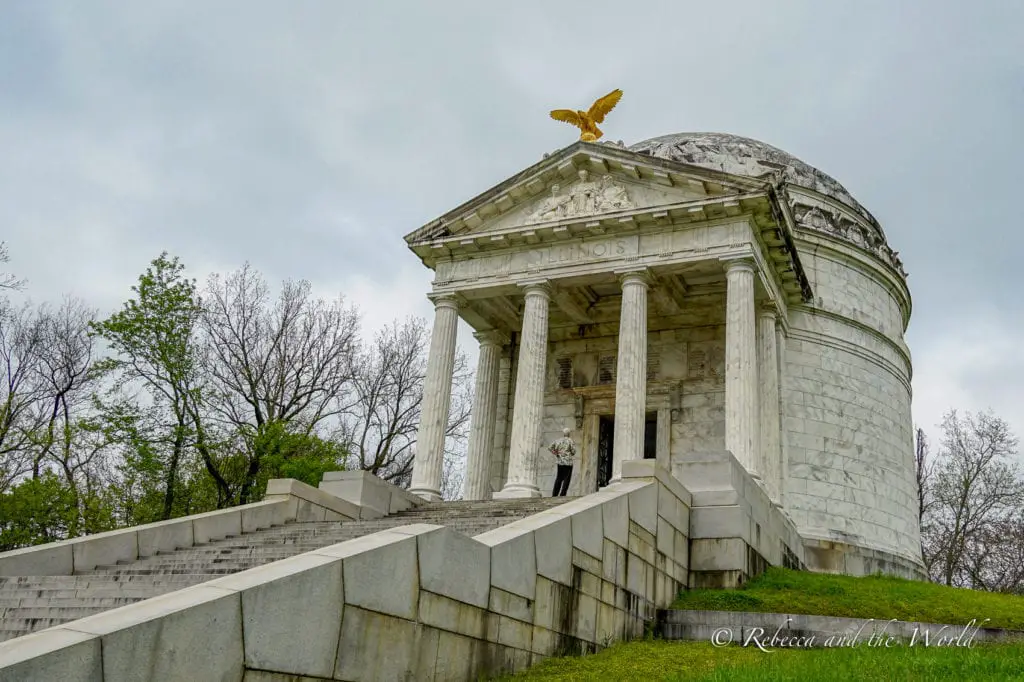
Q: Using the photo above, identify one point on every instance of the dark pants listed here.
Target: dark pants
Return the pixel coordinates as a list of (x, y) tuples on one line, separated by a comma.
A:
[(562, 480)]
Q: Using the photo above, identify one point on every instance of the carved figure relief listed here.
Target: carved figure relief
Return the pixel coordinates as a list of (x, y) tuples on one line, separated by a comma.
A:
[(864, 236), (584, 198)]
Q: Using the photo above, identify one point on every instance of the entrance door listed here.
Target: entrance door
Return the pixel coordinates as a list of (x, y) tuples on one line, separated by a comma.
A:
[(605, 437), (651, 435)]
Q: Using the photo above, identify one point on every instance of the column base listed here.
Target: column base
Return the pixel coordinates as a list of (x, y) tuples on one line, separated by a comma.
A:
[(517, 491), (427, 494)]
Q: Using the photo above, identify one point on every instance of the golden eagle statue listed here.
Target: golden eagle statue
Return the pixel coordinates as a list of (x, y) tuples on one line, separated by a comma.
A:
[(587, 121)]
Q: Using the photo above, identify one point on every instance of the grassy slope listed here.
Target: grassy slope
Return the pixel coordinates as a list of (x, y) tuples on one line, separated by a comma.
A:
[(784, 591), (657, 661)]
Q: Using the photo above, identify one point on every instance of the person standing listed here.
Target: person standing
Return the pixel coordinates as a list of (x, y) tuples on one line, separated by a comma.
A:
[(564, 450)]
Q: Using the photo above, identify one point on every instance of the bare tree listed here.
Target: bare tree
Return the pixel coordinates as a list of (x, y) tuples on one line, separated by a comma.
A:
[(976, 486), (65, 358), (66, 355), (924, 469), (387, 396), (286, 362), (995, 557), (22, 341), (453, 475), (7, 280)]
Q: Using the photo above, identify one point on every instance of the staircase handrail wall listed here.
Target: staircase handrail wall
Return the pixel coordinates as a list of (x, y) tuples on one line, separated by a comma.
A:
[(287, 500)]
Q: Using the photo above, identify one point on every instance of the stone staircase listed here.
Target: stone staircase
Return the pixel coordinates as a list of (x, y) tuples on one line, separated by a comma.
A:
[(30, 603)]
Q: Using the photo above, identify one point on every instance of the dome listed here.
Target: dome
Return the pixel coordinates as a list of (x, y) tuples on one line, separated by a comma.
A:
[(744, 156), (752, 158)]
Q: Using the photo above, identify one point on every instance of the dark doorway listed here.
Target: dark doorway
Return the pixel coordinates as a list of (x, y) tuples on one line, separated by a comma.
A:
[(651, 435), (605, 437)]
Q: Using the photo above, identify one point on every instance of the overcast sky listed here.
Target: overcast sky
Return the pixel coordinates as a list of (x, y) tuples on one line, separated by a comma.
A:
[(308, 137)]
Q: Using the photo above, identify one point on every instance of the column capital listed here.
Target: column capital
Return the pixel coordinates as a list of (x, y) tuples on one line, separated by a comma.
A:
[(635, 276), (491, 337), (445, 300), (538, 286), (767, 309), (738, 263)]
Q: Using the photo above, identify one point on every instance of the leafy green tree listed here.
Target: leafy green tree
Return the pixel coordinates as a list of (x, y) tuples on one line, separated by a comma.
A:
[(155, 345), (299, 455), (46, 509), (35, 511)]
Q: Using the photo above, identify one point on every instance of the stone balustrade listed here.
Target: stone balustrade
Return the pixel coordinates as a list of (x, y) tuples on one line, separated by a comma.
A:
[(286, 500), (373, 496)]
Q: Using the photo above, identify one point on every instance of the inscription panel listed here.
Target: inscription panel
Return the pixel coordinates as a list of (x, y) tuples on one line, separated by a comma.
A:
[(539, 259)]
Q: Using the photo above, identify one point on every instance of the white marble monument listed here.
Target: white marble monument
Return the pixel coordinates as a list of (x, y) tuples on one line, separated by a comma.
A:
[(692, 293)]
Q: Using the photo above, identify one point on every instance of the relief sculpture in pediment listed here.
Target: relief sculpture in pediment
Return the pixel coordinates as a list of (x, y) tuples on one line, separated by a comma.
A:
[(584, 198)]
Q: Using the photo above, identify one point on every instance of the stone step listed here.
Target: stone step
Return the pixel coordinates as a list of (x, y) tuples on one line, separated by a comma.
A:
[(101, 592), (177, 568), (183, 570), (106, 602), (28, 625), (74, 581), (225, 555), (64, 613), (31, 603)]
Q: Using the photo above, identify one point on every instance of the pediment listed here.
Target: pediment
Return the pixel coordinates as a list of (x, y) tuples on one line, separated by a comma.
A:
[(580, 181), (587, 196)]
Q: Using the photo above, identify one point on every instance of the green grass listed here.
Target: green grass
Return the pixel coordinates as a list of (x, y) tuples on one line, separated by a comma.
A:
[(779, 590), (654, 661), (784, 591)]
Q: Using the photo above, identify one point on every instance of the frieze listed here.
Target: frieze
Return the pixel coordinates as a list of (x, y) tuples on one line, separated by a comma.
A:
[(839, 225), (539, 258)]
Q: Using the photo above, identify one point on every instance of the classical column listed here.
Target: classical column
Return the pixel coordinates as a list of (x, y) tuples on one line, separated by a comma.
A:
[(780, 347), (485, 405), (741, 394), (768, 379), (437, 393), (631, 372), (528, 408)]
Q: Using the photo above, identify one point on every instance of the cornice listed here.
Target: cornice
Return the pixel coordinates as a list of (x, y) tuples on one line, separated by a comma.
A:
[(606, 224), (564, 163)]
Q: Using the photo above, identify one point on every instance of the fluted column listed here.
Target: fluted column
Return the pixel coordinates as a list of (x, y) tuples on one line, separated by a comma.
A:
[(527, 410), (437, 394), (485, 404), (780, 347), (768, 379), (631, 372), (741, 393)]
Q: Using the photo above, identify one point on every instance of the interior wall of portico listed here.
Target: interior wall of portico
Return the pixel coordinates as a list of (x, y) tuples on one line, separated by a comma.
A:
[(686, 388)]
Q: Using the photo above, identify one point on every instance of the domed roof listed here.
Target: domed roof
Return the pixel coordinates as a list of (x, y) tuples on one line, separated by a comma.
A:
[(745, 156)]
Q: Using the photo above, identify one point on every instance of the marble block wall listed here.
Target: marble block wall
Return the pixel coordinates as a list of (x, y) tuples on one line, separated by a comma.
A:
[(846, 400)]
